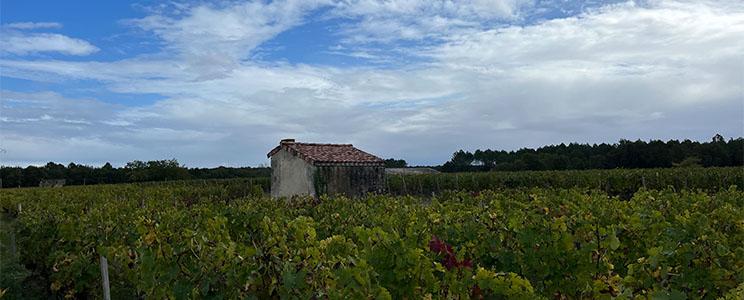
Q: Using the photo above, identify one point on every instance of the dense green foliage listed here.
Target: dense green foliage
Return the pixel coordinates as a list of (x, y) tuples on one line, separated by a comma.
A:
[(220, 239), (617, 182), (624, 154), (134, 171), (395, 163)]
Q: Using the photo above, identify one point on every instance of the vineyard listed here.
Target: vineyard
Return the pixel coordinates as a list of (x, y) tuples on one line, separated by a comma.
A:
[(616, 234), (618, 182)]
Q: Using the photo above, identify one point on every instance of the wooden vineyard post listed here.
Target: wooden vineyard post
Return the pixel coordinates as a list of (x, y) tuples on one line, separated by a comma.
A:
[(405, 189), (387, 185), (251, 186), (105, 278), (13, 246), (421, 185), (439, 188)]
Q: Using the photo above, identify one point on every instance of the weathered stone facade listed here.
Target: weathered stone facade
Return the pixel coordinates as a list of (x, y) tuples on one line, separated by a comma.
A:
[(291, 175), (318, 169), (410, 171), (52, 183), (352, 181)]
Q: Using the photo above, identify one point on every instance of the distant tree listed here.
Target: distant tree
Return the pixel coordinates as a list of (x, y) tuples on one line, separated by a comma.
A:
[(54, 171), (133, 171), (462, 158), (624, 154), (156, 170), (105, 174), (78, 174), (32, 175), (395, 163), (573, 156), (11, 176), (736, 151), (136, 171)]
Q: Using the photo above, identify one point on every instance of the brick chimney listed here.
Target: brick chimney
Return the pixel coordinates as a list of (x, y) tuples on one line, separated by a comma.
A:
[(287, 142)]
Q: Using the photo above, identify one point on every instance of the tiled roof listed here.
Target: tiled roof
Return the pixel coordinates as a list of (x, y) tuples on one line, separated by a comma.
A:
[(329, 154)]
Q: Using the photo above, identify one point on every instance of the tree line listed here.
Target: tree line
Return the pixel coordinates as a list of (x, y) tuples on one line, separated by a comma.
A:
[(624, 154), (395, 163), (134, 171)]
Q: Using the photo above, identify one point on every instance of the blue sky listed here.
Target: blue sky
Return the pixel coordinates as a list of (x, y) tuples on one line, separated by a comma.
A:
[(219, 83)]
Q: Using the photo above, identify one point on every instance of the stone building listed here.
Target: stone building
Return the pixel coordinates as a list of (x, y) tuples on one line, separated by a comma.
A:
[(316, 169), (52, 183), (410, 171)]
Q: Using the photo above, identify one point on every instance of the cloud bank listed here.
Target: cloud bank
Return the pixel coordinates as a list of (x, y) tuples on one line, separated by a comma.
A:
[(17, 40), (485, 74)]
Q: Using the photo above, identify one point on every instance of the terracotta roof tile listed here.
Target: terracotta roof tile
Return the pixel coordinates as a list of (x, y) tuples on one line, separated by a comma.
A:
[(329, 153)]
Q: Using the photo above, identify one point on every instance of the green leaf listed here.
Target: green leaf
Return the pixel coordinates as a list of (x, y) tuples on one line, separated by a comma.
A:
[(614, 242)]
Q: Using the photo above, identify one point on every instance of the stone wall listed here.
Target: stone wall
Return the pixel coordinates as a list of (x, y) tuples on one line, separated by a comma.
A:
[(352, 181), (410, 171), (52, 183), (291, 175)]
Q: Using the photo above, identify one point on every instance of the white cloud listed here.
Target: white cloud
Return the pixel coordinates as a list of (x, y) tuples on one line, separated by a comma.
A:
[(688, 46), (23, 150), (389, 21), (54, 110), (32, 25), (46, 126), (668, 69), (660, 35), (22, 43), (213, 39)]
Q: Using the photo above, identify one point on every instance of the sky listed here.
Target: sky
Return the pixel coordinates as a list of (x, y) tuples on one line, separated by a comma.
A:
[(221, 82)]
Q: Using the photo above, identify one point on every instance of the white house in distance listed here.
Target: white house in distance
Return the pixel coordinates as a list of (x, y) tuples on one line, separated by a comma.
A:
[(315, 169)]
